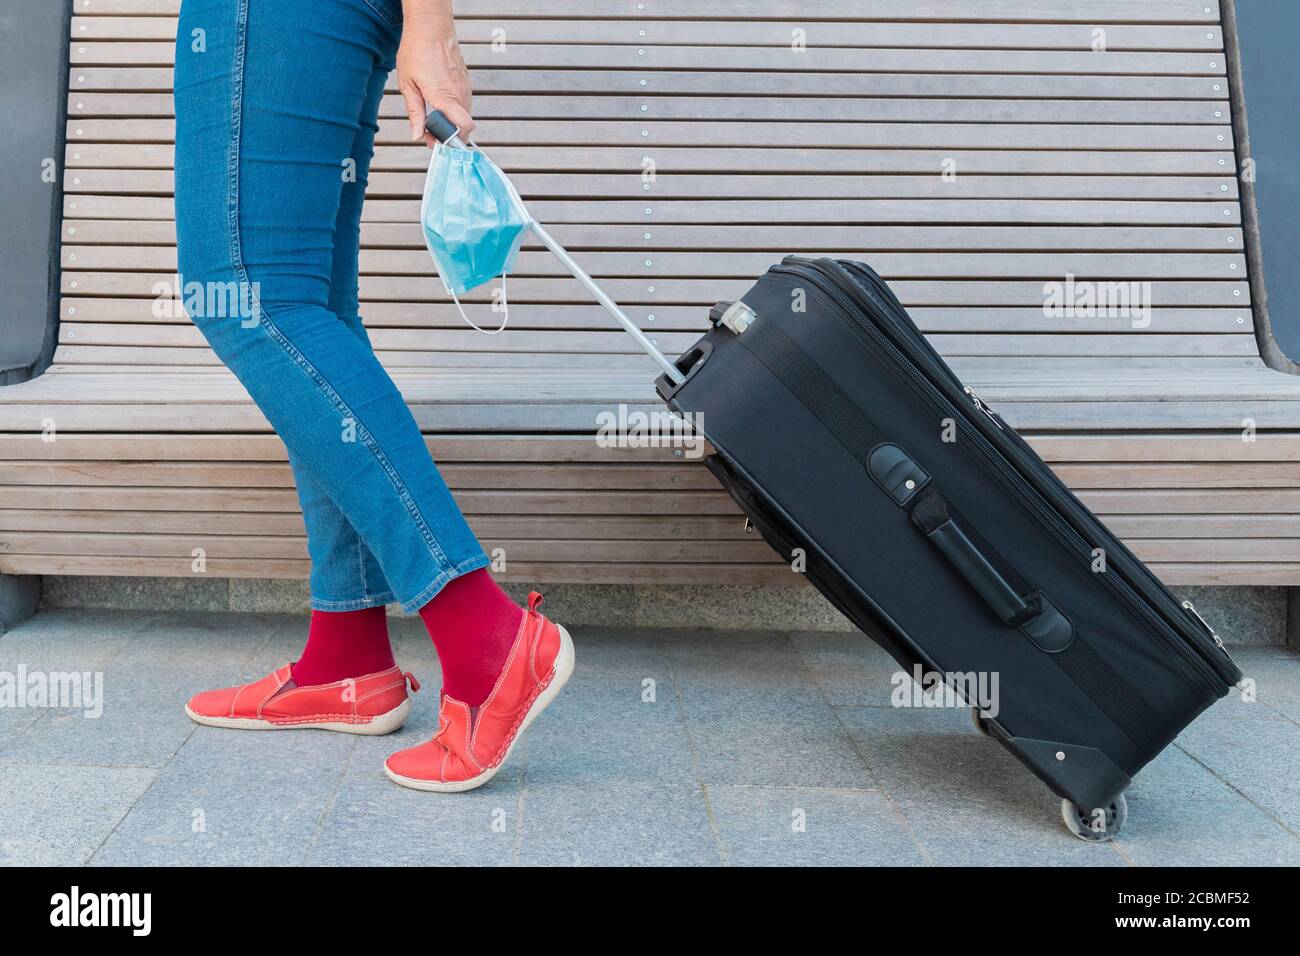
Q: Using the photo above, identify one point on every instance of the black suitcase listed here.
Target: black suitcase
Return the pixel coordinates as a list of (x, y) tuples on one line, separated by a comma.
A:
[(933, 526), (939, 532)]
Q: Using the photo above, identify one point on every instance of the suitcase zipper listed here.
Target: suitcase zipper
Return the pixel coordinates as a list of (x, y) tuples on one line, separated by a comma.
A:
[(1218, 641), (979, 403), (1063, 532)]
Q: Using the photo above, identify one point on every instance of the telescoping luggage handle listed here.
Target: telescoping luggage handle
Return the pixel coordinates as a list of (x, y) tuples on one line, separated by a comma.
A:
[(448, 133)]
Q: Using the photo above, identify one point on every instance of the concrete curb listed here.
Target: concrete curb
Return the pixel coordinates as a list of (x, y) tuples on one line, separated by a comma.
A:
[(1242, 615)]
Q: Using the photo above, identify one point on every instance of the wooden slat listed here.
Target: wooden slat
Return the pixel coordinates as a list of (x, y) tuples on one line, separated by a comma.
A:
[(609, 476), (481, 476), (1156, 502), (813, 59), (651, 133), (1180, 448), (998, 11), (447, 399), (865, 238), (1085, 11), (181, 548), (663, 84), (831, 32), (957, 318), (975, 368), (585, 572), (79, 260), (523, 448), (735, 211), (477, 416), (979, 368), (671, 290), (538, 188), (577, 526), (703, 80), (183, 508), (768, 110), (514, 502), (434, 342), (89, 151), (558, 385), (290, 524)]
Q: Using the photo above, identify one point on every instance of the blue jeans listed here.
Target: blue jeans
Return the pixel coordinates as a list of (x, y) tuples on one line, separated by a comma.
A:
[(277, 105)]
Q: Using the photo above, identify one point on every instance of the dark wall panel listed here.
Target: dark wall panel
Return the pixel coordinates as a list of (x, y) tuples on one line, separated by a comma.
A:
[(33, 90), (1268, 34)]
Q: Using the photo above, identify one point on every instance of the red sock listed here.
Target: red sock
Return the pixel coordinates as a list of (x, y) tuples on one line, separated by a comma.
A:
[(342, 644), (473, 624)]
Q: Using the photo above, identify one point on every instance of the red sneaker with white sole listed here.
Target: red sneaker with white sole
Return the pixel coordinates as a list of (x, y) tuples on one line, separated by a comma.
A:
[(373, 704), (473, 742)]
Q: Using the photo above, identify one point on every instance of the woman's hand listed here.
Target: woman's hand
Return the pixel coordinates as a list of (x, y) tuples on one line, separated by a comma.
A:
[(431, 72)]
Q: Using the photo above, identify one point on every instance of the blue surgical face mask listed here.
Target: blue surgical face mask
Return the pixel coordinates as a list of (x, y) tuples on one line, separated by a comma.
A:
[(473, 221)]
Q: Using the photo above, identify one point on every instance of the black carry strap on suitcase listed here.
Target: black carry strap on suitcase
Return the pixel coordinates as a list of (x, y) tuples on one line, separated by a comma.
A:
[(935, 528)]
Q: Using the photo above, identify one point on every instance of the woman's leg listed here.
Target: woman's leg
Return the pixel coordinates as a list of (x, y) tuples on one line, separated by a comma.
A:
[(271, 97), (348, 634), (267, 115)]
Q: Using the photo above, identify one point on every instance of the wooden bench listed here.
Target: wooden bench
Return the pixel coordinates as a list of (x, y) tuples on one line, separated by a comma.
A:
[(136, 448)]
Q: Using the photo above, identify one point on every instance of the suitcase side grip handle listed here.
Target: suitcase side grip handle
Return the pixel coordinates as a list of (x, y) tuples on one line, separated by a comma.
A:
[(1038, 618), (912, 489), (987, 581)]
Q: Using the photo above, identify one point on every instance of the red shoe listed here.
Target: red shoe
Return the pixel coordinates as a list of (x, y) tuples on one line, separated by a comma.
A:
[(473, 742), (374, 704)]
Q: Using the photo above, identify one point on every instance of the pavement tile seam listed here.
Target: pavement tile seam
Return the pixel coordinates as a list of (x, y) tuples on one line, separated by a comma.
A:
[(1238, 791), (674, 682), (329, 803), (899, 815)]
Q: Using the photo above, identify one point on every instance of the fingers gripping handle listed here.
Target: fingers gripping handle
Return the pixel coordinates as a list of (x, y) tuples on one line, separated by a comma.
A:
[(443, 129)]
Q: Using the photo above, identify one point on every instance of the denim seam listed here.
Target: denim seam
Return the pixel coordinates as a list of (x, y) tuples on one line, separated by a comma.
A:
[(372, 600), (274, 332), (367, 438), (388, 18), (361, 564), (481, 560)]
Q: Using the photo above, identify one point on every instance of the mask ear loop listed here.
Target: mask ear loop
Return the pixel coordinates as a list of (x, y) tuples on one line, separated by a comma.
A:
[(505, 306)]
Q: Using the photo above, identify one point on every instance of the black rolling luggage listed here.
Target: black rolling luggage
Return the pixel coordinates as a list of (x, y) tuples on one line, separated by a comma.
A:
[(934, 527)]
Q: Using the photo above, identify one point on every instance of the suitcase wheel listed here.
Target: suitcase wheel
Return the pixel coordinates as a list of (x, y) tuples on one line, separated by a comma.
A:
[(1096, 826)]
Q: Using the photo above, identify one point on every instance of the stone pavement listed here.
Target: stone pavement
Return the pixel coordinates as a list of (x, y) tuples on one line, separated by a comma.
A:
[(675, 747)]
